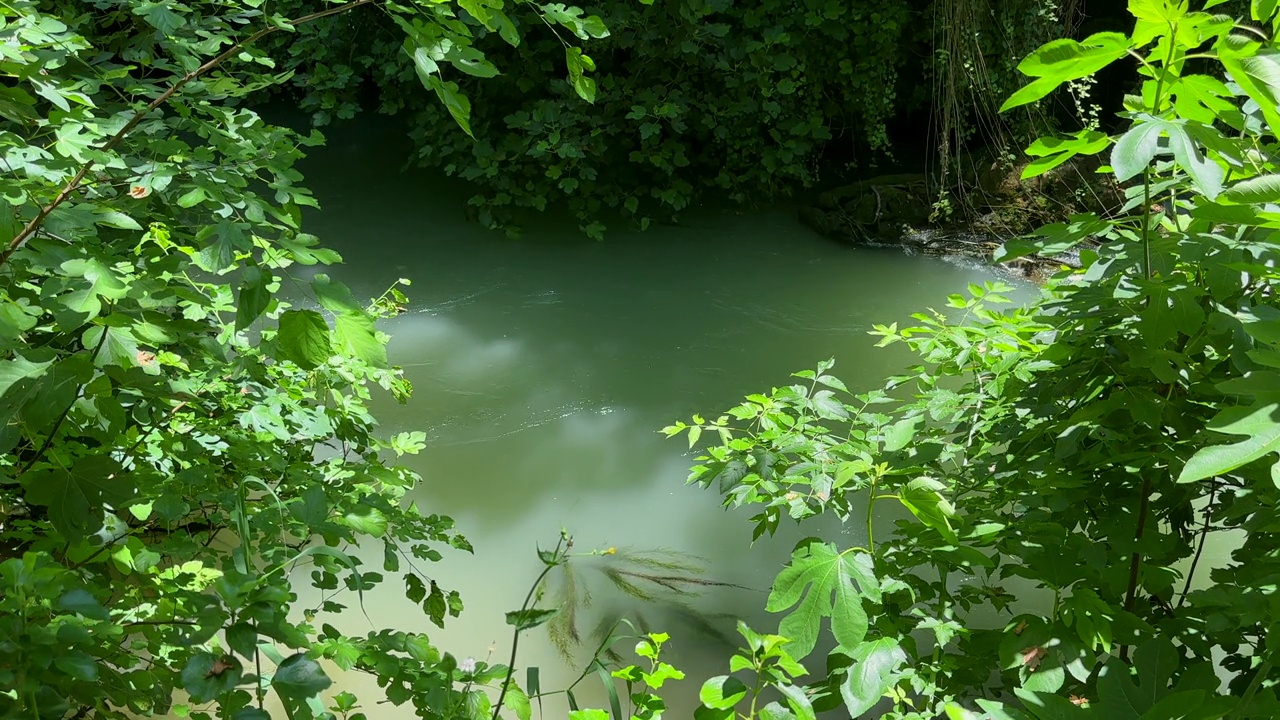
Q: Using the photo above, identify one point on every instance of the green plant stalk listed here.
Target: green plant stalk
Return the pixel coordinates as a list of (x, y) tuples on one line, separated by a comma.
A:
[(755, 692), (1144, 503), (515, 636), (871, 504), (1204, 536)]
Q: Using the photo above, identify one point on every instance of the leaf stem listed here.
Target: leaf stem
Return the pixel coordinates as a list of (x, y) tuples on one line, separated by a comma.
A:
[(1135, 561)]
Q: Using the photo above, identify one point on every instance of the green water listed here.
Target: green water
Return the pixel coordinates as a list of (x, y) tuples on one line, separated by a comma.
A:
[(544, 367)]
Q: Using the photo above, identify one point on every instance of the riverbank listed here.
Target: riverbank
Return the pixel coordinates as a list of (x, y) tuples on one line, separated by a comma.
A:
[(988, 206)]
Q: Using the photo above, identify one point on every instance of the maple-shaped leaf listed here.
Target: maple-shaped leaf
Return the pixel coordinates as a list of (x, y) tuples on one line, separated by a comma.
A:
[(75, 495), (821, 580), (1129, 692), (1260, 423)]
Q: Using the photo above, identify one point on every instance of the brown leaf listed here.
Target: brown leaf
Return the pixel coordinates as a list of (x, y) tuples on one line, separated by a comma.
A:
[(1032, 656), (146, 358), (138, 192), (219, 666)]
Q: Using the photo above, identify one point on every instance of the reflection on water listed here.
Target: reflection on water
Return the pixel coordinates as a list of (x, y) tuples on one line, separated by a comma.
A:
[(544, 367)]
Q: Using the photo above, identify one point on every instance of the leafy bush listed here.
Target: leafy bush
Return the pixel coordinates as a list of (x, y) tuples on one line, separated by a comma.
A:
[(185, 425), (1075, 456), (692, 99)]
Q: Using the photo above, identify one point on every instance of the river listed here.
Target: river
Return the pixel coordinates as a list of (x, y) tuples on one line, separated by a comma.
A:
[(544, 367)]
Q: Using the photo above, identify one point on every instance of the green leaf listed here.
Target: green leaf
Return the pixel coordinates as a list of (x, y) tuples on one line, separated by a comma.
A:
[(1201, 98), (1040, 166), (818, 572), (15, 382), (242, 639), (1260, 423), (303, 338), (1053, 239), (798, 701), (923, 497), (1154, 664), (1064, 60), (82, 603), (75, 495), (578, 65), (1205, 173), (1257, 72), (1260, 189), (221, 243), (311, 507), (874, 671), (78, 664), (191, 198), (115, 219), (56, 391), (104, 284), (997, 711), (531, 618), (367, 520), (1052, 152), (335, 297), (828, 406), (611, 689), (454, 101), (159, 16), (518, 702), (1135, 150), (898, 435), (722, 692), (355, 334), (300, 677), (254, 297), (774, 711)]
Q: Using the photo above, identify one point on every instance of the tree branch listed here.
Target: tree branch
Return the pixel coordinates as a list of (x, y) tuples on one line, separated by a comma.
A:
[(76, 181)]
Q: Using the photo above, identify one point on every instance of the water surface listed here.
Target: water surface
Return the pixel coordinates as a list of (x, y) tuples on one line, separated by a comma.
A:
[(544, 367)]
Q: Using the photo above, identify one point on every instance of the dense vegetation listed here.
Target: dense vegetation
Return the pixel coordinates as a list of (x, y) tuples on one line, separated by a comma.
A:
[(186, 435), (692, 98), (184, 413)]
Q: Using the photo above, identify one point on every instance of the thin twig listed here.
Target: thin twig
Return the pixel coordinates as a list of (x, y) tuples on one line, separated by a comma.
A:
[(1204, 534)]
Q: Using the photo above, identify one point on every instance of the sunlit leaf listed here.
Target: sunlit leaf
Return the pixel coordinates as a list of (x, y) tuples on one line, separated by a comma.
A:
[(822, 582), (303, 338), (1259, 423), (874, 671)]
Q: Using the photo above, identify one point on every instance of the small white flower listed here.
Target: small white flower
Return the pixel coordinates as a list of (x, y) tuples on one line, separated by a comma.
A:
[(468, 665)]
